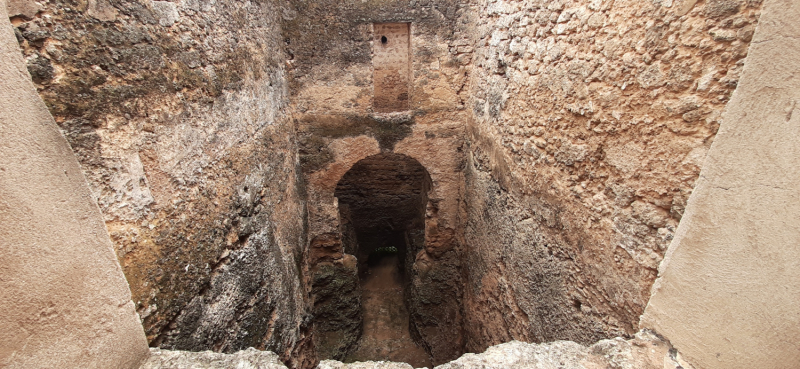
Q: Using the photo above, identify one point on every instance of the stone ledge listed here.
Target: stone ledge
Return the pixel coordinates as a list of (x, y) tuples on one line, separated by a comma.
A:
[(245, 359), (645, 351)]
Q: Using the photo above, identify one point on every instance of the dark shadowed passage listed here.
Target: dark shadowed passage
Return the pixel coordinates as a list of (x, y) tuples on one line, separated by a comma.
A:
[(382, 201)]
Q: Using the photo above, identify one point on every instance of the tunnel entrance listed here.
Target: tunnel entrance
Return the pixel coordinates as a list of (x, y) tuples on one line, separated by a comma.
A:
[(382, 201)]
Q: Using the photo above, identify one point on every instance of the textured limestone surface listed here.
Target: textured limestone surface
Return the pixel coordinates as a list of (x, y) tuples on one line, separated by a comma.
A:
[(332, 364), (178, 114), (590, 120), (645, 351), (245, 359), (727, 293), (64, 298)]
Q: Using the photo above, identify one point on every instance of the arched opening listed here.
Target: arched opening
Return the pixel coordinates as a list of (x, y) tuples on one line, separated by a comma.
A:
[(382, 201)]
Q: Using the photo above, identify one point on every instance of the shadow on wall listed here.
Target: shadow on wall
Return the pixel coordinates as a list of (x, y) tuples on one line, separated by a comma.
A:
[(382, 201)]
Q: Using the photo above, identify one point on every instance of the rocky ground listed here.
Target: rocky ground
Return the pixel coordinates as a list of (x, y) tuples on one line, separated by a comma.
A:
[(645, 351)]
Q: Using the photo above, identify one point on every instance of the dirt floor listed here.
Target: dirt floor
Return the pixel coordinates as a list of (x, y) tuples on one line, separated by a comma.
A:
[(386, 335)]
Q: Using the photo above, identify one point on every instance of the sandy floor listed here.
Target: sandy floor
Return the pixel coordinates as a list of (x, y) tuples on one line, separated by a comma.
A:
[(386, 334)]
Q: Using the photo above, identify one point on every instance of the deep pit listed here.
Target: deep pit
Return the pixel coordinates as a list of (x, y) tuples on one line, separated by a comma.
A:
[(402, 180)]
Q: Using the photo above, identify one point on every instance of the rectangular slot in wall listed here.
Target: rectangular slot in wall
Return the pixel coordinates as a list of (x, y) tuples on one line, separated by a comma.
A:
[(390, 61)]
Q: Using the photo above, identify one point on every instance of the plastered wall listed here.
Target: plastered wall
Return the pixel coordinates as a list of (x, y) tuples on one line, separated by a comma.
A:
[(391, 66), (727, 292), (64, 298)]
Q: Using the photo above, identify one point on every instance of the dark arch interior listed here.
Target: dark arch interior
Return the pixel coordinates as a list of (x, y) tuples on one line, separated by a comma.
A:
[(382, 201)]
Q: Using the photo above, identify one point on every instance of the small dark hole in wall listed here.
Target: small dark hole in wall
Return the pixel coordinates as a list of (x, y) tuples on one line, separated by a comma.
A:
[(392, 69)]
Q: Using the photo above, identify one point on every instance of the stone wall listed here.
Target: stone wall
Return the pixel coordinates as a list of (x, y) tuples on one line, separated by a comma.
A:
[(178, 114), (726, 295), (330, 45), (390, 64), (64, 298), (562, 139), (590, 120)]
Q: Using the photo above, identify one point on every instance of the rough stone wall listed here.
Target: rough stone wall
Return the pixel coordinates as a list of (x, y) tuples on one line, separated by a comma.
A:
[(337, 307), (590, 120), (178, 114), (330, 50), (330, 44), (384, 191), (64, 298)]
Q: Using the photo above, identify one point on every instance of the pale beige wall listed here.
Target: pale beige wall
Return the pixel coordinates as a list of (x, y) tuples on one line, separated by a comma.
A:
[(64, 300), (728, 294)]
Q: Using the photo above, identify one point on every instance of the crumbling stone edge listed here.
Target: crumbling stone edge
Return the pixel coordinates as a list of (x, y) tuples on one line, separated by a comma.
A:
[(646, 350)]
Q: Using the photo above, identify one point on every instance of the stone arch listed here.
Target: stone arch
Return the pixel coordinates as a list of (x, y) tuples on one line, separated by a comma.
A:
[(432, 285), (382, 201)]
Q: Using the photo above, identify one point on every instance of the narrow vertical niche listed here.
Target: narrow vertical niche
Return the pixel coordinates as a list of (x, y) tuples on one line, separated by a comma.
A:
[(391, 64)]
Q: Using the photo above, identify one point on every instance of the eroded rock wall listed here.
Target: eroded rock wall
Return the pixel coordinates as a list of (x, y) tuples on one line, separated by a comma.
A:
[(590, 120), (337, 307), (64, 297), (178, 114)]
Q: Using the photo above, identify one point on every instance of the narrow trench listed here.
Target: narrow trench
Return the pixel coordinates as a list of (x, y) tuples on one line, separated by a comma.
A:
[(382, 203), (385, 334)]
